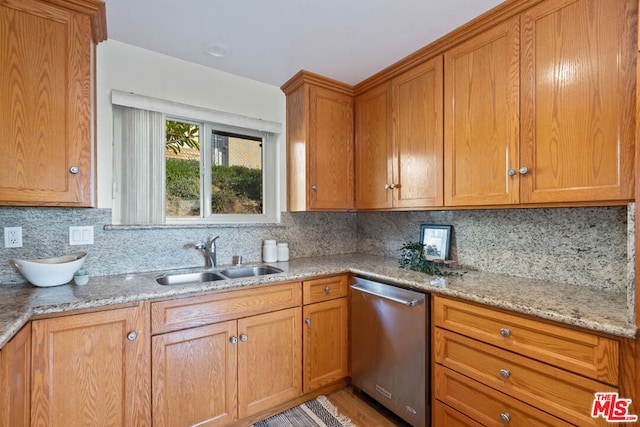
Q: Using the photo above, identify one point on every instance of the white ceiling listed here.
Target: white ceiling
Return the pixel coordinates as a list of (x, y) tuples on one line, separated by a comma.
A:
[(270, 41)]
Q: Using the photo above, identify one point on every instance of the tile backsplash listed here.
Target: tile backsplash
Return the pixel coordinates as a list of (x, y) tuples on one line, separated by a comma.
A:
[(583, 246), (46, 234)]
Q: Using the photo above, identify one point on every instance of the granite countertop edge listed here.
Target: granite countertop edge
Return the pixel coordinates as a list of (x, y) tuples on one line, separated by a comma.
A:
[(591, 308)]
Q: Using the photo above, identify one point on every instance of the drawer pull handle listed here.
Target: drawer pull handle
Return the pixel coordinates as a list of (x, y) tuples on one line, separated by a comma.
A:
[(233, 340), (132, 336), (505, 417), (505, 332), (505, 373), (243, 338), (327, 290)]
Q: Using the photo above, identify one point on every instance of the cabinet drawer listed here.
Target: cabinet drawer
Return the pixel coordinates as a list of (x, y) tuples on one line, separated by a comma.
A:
[(445, 416), (324, 289), (581, 352), (486, 405), (561, 393), (183, 313)]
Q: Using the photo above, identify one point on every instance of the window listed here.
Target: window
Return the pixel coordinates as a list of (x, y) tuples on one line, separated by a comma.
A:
[(187, 169), (222, 174)]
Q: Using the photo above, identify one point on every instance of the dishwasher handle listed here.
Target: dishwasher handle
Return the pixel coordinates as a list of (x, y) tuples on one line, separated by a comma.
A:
[(408, 302)]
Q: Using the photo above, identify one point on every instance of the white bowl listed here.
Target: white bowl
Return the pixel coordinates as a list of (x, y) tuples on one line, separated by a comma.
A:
[(50, 271)]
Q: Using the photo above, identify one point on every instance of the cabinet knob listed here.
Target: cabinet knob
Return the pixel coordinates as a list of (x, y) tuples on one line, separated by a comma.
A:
[(387, 187), (327, 290), (131, 336), (243, 338), (314, 187), (511, 172), (233, 340), (74, 169), (505, 417), (392, 186), (523, 170), (505, 373), (505, 332), (307, 321)]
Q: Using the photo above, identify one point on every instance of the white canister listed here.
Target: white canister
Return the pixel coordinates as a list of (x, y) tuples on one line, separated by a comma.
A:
[(269, 251), (283, 252)]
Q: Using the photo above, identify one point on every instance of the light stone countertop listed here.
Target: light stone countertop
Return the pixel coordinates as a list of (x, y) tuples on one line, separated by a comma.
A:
[(590, 308)]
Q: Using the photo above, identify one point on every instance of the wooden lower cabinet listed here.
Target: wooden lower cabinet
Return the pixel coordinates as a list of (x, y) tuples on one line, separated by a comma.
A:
[(15, 380), (215, 374), (485, 405), (194, 376), (91, 369), (493, 366), (445, 416), (269, 360), (326, 343)]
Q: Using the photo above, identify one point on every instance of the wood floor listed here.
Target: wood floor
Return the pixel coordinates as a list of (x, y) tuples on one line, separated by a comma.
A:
[(362, 410)]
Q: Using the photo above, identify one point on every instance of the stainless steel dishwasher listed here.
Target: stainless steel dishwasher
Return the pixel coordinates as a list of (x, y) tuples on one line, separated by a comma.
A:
[(388, 348)]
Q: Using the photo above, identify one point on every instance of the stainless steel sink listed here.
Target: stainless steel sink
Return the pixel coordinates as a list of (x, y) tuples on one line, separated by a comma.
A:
[(189, 278), (238, 273)]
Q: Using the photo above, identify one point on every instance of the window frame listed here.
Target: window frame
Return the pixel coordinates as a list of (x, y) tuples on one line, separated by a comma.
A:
[(272, 142), (269, 177)]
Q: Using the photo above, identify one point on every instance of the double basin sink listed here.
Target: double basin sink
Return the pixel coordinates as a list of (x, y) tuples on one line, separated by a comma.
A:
[(213, 276)]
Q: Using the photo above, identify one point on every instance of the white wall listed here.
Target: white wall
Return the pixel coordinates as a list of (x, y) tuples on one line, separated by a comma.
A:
[(131, 69)]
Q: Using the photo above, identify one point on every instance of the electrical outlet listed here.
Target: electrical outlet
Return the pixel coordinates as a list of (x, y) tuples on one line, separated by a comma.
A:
[(13, 237)]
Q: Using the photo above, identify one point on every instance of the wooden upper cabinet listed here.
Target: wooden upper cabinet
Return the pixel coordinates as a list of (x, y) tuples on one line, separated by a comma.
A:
[(320, 144), (46, 93), (481, 118), (578, 100), (374, 157), (399, 141), (417, 136)]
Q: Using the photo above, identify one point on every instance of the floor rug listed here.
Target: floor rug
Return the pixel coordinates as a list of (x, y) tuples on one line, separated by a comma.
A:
[(318, 412)]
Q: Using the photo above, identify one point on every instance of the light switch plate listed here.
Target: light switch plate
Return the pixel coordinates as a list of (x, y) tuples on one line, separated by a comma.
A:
[(81, 235), (13, 237)]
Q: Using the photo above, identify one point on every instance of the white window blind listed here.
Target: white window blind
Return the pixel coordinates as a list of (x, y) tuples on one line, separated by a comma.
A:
[(139, 141)]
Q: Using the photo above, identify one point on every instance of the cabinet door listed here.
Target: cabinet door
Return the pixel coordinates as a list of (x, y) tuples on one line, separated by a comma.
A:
[(325, 343), (194, 376), (481, 118), (269, 360), (578, 103), (373, 149), (15, 380), (45, 113), (330, 160), (88, 368), (417, 136)]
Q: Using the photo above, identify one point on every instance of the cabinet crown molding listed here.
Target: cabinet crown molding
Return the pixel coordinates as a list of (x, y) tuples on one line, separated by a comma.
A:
[(307, 77), (96, 11)]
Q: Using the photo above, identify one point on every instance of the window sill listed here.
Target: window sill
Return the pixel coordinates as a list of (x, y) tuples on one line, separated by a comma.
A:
[(116, 227)]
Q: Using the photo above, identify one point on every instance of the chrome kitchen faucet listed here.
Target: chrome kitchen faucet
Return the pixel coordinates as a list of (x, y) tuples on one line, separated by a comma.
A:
[(210, 250)]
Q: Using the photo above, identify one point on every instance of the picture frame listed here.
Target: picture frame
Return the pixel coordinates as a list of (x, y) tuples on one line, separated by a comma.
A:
[(436, 240)]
